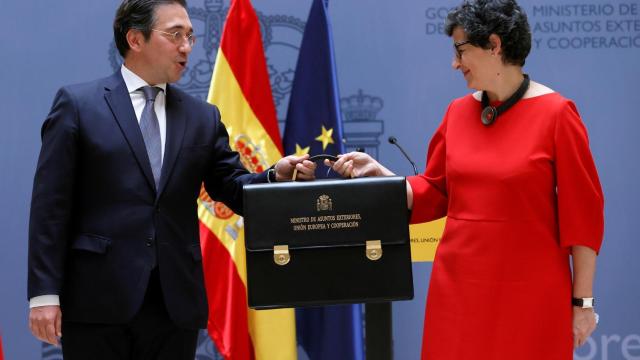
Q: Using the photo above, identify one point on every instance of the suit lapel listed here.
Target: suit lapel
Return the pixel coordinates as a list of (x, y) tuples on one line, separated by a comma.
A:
[(176, 125), (117, 96)]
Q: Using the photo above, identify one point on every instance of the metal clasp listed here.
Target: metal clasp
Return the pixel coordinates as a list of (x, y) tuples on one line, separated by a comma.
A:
[(281, 254), (374, 250)]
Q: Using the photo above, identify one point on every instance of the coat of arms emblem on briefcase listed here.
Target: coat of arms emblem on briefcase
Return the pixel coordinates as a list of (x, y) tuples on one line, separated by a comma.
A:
[(324, 203)]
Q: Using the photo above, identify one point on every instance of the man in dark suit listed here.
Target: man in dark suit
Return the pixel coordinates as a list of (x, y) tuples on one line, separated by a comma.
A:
[(114, 255)]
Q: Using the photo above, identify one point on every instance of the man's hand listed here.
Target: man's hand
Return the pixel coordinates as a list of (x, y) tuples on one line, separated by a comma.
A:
[(286, 165), (45, 323), (584, 323)]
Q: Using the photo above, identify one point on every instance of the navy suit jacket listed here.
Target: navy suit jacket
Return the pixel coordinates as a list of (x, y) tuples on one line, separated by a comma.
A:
[(98, 225)]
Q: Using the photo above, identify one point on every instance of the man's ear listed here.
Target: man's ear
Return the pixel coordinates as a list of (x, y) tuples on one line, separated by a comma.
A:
[(135, 39), (496, 45)]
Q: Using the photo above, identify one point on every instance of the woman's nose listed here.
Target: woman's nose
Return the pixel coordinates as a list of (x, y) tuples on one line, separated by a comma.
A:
[(455, 63)]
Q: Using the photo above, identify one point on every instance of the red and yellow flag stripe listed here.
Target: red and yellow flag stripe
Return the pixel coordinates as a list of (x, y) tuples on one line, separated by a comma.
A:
[(240, 88)]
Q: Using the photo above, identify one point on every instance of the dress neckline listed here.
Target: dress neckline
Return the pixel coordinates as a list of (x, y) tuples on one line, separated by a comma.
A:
[(497, 103)]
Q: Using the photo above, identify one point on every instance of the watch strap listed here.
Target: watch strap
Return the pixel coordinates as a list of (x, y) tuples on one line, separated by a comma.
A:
[(584, 303)]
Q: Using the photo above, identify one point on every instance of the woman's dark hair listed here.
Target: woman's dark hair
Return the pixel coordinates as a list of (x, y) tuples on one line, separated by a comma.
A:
[(481, 18), (136, 14)]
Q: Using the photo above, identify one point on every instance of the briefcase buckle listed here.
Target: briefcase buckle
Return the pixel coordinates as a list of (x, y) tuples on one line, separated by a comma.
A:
[(281, 254), (374, 250)]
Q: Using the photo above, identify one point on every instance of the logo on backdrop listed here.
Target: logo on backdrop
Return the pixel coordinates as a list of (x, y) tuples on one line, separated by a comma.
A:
[(361, 126)]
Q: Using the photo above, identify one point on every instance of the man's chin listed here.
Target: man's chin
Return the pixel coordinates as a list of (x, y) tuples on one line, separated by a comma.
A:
[(175, 78)]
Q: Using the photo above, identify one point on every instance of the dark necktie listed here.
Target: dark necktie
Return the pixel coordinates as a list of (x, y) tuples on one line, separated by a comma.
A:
[(151, 131)]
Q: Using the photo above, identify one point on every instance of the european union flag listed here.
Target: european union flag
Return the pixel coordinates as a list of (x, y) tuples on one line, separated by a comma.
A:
[(314, 123), (314, 126)]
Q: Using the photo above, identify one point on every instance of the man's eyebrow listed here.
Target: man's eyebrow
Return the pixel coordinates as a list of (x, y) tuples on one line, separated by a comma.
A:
[(180, 27)]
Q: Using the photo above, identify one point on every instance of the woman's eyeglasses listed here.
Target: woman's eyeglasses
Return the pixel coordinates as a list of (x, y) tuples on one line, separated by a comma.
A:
[(456, 48)]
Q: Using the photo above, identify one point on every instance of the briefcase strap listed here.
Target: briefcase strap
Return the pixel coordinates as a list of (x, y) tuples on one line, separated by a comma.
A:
[(316, 158)]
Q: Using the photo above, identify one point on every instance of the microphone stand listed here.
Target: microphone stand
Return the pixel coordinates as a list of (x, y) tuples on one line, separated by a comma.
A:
[(394, 141)]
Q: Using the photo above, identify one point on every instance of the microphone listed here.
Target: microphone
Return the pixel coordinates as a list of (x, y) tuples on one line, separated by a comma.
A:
[(394, 141)]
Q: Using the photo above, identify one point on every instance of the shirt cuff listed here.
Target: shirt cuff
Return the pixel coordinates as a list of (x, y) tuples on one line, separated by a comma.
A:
[(44, 300)]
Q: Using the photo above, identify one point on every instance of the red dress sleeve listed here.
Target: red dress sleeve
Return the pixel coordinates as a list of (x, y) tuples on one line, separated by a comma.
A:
[(430, 200), (580, 198)]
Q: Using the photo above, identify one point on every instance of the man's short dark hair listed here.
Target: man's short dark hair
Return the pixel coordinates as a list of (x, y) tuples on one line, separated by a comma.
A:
[(481, 18), (139, 15)]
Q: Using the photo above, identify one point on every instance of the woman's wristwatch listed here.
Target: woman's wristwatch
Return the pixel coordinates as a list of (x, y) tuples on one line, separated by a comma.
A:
[(585, 303)]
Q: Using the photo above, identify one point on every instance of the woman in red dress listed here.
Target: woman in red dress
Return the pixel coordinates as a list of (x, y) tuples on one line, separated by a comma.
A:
[(514, 175)]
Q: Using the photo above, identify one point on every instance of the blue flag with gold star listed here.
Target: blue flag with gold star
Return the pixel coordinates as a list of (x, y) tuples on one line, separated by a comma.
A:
[(314, 126), (314, 123)]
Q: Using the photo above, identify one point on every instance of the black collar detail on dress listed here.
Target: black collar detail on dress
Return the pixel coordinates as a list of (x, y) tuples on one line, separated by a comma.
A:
[(490, 113)]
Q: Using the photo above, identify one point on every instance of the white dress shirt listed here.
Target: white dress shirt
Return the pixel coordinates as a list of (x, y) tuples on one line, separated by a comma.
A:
[(133, 83)]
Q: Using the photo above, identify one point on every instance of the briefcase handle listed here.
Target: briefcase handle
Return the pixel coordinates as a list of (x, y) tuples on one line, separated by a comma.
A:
[(316, 158)]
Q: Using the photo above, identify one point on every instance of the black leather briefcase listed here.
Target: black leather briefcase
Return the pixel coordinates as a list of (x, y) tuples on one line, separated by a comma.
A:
[(327, 242)]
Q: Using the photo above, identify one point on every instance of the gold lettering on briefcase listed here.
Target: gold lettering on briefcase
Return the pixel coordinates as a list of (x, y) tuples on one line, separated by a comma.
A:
[(324, 203), (326, 222)]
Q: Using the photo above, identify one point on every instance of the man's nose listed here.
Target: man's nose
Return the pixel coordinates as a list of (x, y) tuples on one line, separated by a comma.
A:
[(186, 48)]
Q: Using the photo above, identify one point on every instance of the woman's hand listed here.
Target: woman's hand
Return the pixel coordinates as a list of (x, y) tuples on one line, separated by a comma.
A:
[(357, 164), (584, 323), (584, 268)]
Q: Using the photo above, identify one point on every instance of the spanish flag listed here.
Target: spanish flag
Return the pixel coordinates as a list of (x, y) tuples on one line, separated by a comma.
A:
[(240, 88)]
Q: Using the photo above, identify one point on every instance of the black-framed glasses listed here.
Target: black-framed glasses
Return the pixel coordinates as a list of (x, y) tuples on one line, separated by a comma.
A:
[(178, 37), (456, 48)]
